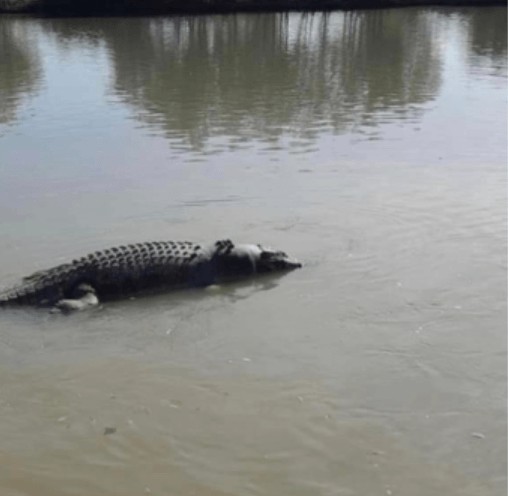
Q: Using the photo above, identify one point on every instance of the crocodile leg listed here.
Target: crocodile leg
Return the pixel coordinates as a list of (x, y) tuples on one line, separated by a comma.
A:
[(84, 297)]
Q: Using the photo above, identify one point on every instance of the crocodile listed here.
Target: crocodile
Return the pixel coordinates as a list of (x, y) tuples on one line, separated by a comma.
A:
[(122, 271)]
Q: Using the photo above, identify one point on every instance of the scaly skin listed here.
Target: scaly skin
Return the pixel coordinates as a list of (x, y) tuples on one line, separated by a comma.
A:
[(124, 270)]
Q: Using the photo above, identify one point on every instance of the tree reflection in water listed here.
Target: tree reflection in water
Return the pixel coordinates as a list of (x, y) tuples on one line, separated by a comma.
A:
[(262, 77), (21, 70)]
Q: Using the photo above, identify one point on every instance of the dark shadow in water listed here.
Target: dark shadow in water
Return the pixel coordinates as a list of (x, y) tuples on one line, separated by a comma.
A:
[(155, 301), (20, 68), (231, 292)]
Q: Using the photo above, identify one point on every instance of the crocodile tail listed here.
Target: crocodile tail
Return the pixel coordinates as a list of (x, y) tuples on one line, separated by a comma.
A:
[(9, 298), (24, 294), (15, 296), (40, 288)]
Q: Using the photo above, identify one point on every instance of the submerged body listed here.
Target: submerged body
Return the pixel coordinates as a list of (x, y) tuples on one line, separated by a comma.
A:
[(154, 266)]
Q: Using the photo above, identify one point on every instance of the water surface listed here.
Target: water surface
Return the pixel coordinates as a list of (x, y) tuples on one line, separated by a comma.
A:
[(371, 145)]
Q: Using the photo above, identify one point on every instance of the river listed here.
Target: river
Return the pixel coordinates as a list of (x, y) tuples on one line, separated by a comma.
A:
[(371, 145)]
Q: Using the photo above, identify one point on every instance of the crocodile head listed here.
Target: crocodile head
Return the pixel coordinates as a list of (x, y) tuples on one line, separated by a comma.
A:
[(243, 260), (268, 260)]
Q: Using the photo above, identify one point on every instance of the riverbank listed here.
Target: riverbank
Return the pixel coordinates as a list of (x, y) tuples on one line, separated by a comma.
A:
[(141, 7)]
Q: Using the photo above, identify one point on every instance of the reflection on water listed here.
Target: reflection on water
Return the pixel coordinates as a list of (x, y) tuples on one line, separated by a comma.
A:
[(238, 78), (487, 34), (266, 75), (488, 46), (20, 67), (262, 76)]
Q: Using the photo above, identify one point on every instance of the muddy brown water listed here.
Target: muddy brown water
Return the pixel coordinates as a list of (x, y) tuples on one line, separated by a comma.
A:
[(371, 145)]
